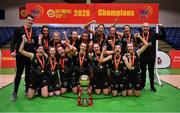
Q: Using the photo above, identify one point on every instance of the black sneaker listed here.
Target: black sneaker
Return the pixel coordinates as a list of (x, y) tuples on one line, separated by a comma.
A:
[(13, 97), (153, 89)]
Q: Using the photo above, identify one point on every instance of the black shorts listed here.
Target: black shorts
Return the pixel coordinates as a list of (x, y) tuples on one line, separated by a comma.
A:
[(53, 82), (118, 81), (68, 80), (37, 80), (134, 80), (100, 79)]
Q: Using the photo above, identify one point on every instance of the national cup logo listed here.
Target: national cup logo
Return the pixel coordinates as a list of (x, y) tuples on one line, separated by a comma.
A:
[(146, 12), (37, 11)]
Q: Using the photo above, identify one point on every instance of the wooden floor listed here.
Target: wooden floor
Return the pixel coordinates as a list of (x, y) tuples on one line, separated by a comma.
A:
[(5, 80), (174, 80)]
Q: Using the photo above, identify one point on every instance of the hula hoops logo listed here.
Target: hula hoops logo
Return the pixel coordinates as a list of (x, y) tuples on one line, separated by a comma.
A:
[(146, 12), (37, 11)]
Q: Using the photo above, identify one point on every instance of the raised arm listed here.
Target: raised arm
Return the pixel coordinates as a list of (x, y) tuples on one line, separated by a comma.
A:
[(127, 60), (145, 44), (86, 26), (66, 38), (40, 39), (102, 59), (22, 51)]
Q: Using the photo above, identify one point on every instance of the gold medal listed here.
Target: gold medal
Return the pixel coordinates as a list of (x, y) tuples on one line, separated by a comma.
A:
[(116, 71), (101, 66), (53, 73), (133, 68), (42, 71)]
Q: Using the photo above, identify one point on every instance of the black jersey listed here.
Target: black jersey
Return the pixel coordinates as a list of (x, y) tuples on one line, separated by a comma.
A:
[(65, 64), (115, 40), (81, 64), (121, 65), (125, 41), (96, 64), (30, 46), (100, 39), (52, 68), (36, 65)]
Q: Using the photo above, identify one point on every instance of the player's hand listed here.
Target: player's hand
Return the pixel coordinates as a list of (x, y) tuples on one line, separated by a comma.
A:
[(24, 38), (40, 37), (13, 54)]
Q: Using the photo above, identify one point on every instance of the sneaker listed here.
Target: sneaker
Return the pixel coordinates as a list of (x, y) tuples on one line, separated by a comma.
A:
[(153, 89), (13, 97)]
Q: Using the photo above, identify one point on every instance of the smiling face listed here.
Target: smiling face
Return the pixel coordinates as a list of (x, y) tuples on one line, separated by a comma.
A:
[(96, 48), (45, 31), (130, 47), (74, 35), (29, 21), (145, 27), (117, 49), (56, 37), (61, 51), (127, 29), (85, 37), (112, 31), (40, 50), (52, 51), (100, 29), (83, 48)]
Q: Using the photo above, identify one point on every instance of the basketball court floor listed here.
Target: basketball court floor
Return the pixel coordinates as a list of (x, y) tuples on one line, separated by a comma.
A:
[(166, 99)]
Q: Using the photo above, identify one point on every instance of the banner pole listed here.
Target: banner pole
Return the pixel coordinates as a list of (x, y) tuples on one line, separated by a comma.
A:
[(156, 62)]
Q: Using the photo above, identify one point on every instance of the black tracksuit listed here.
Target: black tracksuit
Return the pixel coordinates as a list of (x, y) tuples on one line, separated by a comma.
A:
[(22, 61)]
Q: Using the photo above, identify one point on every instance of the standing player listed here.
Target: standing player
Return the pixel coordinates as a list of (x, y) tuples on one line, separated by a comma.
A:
[(22, 61)]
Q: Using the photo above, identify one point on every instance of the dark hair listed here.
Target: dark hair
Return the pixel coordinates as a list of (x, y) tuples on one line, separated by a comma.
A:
[(44, 26), (30, 16), (101, 25), (128, 26)]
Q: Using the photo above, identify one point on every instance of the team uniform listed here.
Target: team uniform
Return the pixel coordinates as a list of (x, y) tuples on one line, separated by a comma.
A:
[(115, 41), (81, 65), (100, 75), (125, 40), (134, 79), (52, 75), (65, 67), (38, 76), (117, 69), (100, 39)]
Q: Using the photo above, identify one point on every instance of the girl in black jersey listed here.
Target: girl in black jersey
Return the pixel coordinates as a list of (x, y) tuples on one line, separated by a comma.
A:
[(44, 38), (100, 76), (81, 63), (65, 66), (98, 36), (38, 77), (134, 74), (52, 73), (118, 67), (112, 39)]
